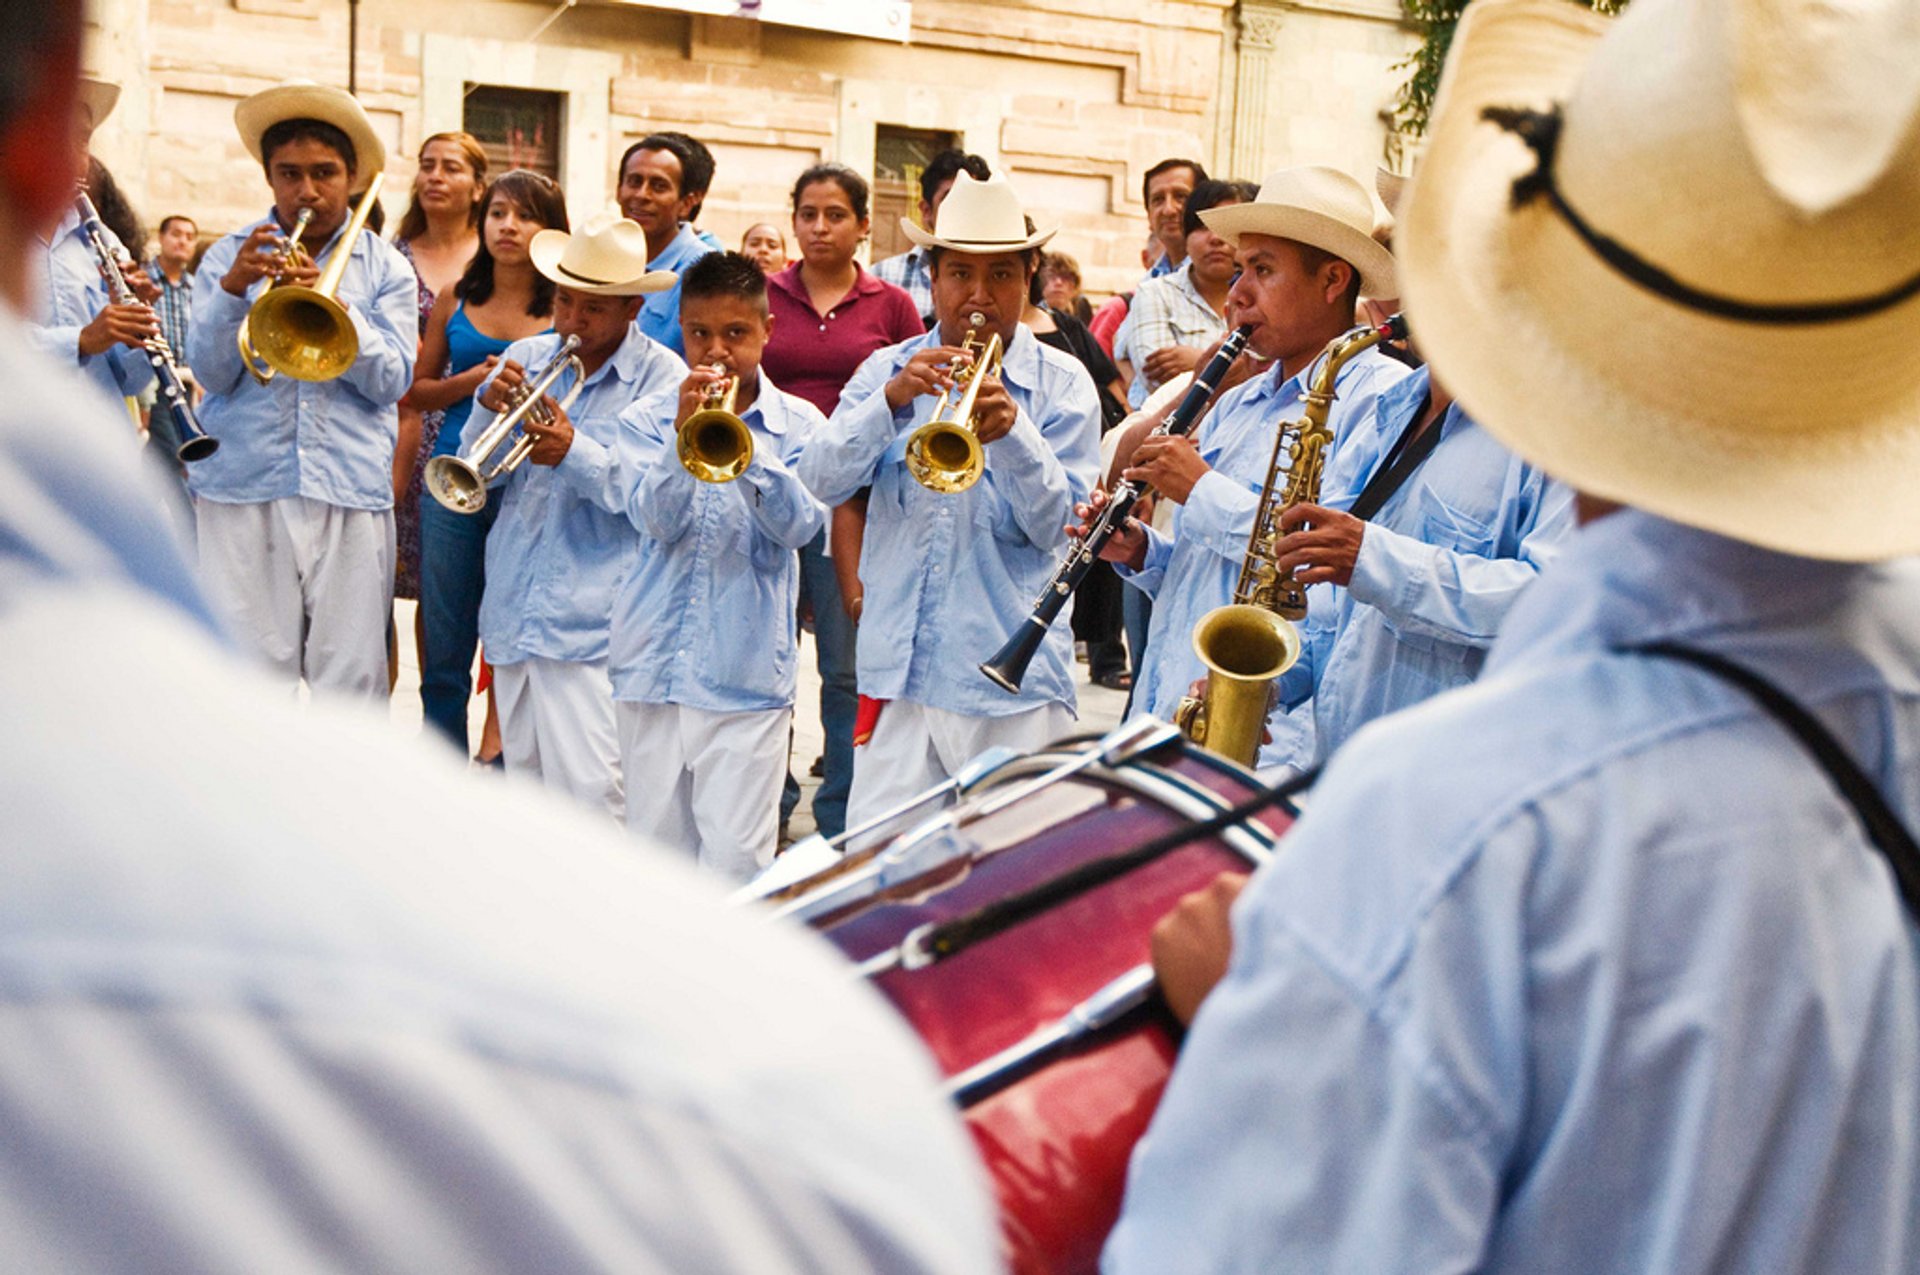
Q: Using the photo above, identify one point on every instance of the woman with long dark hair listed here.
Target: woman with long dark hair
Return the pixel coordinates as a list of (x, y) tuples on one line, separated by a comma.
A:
[(500, 299)]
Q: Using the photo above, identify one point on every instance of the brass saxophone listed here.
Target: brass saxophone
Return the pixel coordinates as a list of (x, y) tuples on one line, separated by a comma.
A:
[(1247, 644)]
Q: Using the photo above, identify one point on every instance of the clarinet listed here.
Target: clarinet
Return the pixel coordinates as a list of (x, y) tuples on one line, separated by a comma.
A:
[(1009, 664), (195, 442)]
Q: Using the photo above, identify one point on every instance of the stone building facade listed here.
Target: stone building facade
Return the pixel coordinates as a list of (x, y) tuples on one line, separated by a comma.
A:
[(1074, 99)]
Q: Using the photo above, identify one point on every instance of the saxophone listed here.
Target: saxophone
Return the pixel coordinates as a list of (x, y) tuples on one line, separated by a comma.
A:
[(1247, 644)]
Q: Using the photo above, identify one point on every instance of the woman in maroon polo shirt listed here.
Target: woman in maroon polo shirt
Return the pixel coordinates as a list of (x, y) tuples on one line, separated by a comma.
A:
[(828, 316)]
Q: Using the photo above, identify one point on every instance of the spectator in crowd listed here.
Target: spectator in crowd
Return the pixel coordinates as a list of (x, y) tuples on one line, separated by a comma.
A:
[(913, 269), (828, 316), (1165, 191), (663, 179), (170, 269), (1176, 316), (766, 246), (499, 300), (1060, 287), (700, 170)]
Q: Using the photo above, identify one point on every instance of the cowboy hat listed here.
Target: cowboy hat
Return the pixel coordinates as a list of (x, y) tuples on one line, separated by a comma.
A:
[(305, 100), (98, 98), (1321, 207), (607, 257), (980, 217), (1678, 266), (1391, 187)]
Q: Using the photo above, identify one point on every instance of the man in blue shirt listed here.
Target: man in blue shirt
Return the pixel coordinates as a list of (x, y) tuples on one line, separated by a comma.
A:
[(295, 511), (562, 545), (1609, 962), (663, 178), (948, 574), (704, 648)]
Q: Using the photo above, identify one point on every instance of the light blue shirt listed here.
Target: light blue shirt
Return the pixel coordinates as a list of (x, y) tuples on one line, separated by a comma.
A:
[(71, 294), (1441, 564), (1192, 571), (1586, 967), (706, 617), (562, 544), (660, 315), (330, 441), (949, 576)]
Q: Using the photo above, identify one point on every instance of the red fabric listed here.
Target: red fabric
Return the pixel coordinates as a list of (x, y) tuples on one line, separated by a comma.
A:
[(484, 682), (815, 355), (866, 717), (1107, 320)]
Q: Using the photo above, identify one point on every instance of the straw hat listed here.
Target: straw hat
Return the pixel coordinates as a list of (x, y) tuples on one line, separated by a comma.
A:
[(1321, 207), (1391, 187), (98, 98), (978, 216), (1730, 342), (305, 100), (607, 257)]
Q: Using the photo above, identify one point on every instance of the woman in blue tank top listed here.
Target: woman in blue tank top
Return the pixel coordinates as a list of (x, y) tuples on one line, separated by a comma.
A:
[(499, 300)]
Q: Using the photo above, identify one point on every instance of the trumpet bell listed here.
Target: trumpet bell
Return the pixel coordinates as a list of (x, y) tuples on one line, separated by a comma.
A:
[(1245, 650), (302, 333), (456, 483), (715, 445), (945, 457)]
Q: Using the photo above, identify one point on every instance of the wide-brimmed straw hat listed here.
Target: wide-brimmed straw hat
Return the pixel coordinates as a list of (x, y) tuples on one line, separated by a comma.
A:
[(1679, 266), (305, 100), (607, 257), (1322, 207), (98, 98), (979, 217)]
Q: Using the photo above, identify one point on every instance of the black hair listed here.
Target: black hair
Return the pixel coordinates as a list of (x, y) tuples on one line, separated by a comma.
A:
[(306, 130), (1312, 258), (537, 198), (1210, 193), (34, 41), (116, 210), (696, 162), (725, 274), (170, 218), (840, 175), (946, 166), (1167, 166)]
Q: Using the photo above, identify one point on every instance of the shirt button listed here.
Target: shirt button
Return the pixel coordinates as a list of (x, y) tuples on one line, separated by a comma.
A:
[(823, 327)]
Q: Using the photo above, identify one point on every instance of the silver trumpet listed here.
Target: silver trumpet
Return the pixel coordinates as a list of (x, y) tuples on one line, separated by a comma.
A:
[(460, 482)]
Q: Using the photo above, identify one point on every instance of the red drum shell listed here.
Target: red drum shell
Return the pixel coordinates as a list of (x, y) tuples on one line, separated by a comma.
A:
[(1056, 1141)]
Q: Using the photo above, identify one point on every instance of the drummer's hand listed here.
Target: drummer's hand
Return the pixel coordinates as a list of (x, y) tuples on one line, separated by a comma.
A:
[(1127, 545), (1170, 463), (994, 411), (928, 372), (1192, 944), (498, 397), (552, 440)]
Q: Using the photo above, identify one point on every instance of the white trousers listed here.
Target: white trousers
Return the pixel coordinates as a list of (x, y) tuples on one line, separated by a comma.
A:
[(915, 747), (307, 585), (556, 725), (707, 783)]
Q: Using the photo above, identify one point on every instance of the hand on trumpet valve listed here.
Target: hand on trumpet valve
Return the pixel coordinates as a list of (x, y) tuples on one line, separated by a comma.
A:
[(1193, 943), (1128, 544), (928, 372), (259, 258), (994, 411), (552, 435), (1169, 463), (696, 391), (132, 324), (506, 387), (1321, 545)]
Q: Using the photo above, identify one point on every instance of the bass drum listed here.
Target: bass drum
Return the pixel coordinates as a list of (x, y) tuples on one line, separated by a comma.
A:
[(1052, 1038)]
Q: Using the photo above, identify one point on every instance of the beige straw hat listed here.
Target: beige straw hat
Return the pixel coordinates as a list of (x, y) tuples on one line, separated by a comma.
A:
[(305, 100), (98, 97), (978, 216), (1322, 207), (1679, 266), (607, 257)]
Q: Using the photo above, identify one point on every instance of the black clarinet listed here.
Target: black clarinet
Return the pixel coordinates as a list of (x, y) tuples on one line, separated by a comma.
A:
[(1009, 664), (195, 442)]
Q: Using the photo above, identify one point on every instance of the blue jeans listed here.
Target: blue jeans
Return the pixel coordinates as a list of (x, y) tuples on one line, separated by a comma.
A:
[(833, 635), (1136, 610), (453, 574)]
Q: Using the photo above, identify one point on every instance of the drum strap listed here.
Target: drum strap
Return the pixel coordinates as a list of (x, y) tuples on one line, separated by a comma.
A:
[(963, 931), (1884, 829)]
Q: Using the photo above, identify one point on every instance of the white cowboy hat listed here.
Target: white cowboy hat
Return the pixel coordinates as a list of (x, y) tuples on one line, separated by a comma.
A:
[(1322, 207), (98, 98), (979, 217), (607, 257), (1391, 187), (305, 100), (1689, 281)]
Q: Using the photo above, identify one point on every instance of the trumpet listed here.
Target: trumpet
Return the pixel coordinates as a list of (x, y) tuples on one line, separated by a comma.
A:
[(714, 444), (1247, 644), (460, 482), (289, 255), (304, 332), (945, 455), (195, 442)]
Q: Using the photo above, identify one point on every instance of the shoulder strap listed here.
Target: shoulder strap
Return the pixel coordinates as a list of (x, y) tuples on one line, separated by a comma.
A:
[(1407, 455), (1883, 827)]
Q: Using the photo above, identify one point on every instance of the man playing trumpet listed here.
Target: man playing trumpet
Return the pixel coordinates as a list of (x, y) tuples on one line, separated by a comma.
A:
[(295, 511), (561, 545)]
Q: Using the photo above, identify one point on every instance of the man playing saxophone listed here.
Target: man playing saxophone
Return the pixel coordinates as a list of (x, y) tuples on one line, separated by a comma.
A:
[(295, 511), (562, 545), (950, 569)]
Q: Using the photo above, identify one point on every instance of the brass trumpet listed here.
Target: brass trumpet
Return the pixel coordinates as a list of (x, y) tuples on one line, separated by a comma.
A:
[(714, 444), (945, 455), (289, 254), (460, 482), (304, 332)]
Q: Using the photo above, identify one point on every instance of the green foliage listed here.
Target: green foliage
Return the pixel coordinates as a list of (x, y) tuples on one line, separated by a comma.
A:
[(1436, 20)]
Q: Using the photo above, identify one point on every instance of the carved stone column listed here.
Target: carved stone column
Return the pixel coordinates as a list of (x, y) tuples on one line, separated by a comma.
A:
[(1258, 26)]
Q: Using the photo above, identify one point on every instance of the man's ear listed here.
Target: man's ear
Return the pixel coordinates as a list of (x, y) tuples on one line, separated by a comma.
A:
[(38, 168), (1336, 277)]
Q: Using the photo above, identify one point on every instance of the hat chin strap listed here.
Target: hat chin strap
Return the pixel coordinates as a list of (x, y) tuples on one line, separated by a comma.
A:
[(1540, 130)]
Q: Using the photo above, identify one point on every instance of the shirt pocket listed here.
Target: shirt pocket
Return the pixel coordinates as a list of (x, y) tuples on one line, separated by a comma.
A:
[(1455, 524)]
